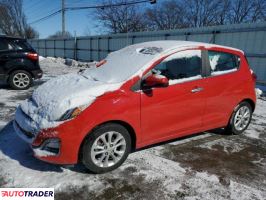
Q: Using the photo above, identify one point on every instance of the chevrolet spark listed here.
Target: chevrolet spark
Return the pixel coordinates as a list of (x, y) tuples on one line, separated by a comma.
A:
[(140, 95)]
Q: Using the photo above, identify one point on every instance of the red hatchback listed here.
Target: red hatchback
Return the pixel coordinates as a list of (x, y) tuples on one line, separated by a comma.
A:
[(140, 95)]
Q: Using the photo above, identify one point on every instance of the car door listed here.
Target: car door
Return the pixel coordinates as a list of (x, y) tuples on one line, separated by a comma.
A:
[(178, 108), (223, 87)]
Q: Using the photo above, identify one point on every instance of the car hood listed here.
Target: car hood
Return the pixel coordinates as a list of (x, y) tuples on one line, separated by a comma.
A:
[(52, 99)]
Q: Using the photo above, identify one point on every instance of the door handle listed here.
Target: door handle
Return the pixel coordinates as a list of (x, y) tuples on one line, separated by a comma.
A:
[(198, 89)]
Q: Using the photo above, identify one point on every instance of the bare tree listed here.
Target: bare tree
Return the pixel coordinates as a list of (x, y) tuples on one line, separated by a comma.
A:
[(166, 15), (205, 12), (31, 33), (13, 20), (61, 35), (247, 11), (120, 19), (174, 14), (240, 11)]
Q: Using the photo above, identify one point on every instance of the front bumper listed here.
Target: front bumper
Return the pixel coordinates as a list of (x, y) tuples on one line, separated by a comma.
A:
[(68, 137), (64, 152)]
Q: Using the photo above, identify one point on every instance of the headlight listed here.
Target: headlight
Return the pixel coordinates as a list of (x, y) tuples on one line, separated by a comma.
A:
[(72, 113)]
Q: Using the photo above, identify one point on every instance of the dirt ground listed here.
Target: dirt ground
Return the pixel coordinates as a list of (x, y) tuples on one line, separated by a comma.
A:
[(209, 165)]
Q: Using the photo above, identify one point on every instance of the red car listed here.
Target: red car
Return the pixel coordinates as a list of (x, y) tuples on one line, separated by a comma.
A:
[(140, 95)]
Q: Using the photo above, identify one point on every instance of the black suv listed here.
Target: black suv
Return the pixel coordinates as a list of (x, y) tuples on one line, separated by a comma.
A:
[(19, 63)]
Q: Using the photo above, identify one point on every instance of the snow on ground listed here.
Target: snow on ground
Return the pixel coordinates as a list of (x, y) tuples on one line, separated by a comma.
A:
[(204, 166)]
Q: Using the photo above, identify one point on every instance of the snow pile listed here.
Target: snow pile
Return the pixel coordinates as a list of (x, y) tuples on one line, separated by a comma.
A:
[(41, 58), (65, 62), (258, 92)]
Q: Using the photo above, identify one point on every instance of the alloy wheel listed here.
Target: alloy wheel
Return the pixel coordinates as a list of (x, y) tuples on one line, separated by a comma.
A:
[(242, 118), (108, 149), (21, 80)]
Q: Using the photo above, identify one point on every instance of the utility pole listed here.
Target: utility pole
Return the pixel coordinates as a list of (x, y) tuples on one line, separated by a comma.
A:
[(63, 17)]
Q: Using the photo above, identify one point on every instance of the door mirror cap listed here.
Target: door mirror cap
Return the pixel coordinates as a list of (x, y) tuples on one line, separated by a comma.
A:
[(156, 80)]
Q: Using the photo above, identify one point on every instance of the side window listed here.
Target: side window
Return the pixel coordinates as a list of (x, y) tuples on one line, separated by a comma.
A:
[(4, 46), (221, 62), (180, 66)]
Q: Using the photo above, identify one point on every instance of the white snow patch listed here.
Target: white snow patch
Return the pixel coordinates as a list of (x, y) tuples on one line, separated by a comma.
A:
[(214, 61), (228, 146), (258, 92), (41, 58), (43, 153)]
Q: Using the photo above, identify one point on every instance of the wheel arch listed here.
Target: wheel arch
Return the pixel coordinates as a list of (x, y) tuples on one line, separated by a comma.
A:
[(250, 101), (17, 68), (129, 128)]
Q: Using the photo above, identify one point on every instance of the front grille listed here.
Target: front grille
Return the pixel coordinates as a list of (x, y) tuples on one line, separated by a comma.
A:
[(26, 133)]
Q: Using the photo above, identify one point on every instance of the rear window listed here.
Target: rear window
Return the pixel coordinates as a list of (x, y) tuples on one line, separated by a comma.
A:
[(222, 62), (4, 45), (22, 45)]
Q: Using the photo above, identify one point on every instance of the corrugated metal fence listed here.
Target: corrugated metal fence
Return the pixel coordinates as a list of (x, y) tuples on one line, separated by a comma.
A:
[(249, 37)]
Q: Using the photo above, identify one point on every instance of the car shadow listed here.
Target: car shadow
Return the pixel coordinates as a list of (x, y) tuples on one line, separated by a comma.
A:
[(16, 149), (4, 85), (217, 132)]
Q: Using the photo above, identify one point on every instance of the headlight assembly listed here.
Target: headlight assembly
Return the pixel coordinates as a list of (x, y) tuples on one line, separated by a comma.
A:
[(72, 113)]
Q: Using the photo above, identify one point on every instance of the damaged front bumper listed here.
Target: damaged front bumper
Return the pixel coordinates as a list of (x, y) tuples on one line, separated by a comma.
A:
[(58, 145), (49, 147)]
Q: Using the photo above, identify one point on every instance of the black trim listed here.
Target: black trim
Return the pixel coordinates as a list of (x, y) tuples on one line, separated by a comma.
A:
[(206, 67), (37, 73), (138, 85)]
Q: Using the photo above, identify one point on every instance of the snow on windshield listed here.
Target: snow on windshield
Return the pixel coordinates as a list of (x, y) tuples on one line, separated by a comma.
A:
[(121, 65)]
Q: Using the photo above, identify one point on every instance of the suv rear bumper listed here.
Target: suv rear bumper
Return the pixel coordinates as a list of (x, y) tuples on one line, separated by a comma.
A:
[(37, 73), (3, 77)]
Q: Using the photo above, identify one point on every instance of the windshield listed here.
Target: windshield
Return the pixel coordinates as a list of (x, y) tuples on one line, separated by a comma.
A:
[(121, 65)]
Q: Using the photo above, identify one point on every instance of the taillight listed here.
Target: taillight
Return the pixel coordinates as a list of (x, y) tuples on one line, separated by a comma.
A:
[(32, 56), (254, 76), (100, 63)]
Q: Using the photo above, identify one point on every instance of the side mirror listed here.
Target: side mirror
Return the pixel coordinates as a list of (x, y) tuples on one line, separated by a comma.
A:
[(156, 80)]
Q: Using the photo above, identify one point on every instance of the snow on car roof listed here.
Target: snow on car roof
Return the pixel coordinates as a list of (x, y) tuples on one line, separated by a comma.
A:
[(166, 45), (122, 64)]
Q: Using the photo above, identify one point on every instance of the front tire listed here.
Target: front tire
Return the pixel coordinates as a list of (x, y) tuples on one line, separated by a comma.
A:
[(106, 148), (20, 80), (240, 119)]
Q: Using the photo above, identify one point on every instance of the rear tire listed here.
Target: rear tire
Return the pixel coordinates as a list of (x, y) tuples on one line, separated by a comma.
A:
[(240, 119), (20, 80), (106, 148)]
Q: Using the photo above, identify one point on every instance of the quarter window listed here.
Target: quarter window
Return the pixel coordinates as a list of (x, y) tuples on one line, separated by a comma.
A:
[(181, 66), (221, 62)]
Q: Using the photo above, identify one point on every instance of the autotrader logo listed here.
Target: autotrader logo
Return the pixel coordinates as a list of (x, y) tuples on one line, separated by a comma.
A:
[(26, 193)]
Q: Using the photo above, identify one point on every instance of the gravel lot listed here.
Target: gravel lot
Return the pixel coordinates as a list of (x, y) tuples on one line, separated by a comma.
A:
[(209, 165)]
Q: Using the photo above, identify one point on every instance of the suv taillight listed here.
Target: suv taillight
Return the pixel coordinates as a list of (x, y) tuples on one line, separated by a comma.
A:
[(32, 56)]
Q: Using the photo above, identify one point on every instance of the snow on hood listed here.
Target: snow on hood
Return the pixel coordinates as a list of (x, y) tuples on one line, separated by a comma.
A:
[(52, 99)]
